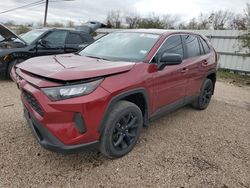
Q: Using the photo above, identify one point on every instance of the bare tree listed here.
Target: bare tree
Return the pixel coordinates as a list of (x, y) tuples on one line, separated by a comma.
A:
[(170, 21), (192, 24), (181, 25), (247, 15), (204, 21), (55, 24), (109, 25), (132, 20), (114, 18), (246, 37), (221, 18), (239, 22), (151, 22), (70, 24)]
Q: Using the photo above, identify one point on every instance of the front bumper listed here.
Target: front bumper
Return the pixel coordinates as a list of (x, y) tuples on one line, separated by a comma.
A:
[(50, 142), (71, 123)]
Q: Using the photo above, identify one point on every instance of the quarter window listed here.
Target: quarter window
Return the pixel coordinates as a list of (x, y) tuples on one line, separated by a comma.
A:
[(87, 38), (192, 44), (205, 46)]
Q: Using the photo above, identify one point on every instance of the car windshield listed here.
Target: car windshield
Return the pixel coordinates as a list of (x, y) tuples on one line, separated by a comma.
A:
[(31, 36), (121, 46)]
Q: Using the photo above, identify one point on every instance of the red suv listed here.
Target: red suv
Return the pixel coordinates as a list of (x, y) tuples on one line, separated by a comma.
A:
[(105, 94)]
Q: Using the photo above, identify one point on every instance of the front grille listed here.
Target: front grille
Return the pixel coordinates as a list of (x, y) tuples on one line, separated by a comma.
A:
[(33, 102)]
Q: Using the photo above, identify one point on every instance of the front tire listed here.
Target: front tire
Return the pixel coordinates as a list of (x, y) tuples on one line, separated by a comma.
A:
[(122, 130), (12, 64), (205, 96)]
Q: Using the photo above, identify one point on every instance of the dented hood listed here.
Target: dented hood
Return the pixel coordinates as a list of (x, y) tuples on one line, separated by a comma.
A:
[(72, 67), (7, 34)]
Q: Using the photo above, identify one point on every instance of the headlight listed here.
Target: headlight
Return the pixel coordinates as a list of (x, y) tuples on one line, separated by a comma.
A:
[(70, 91)]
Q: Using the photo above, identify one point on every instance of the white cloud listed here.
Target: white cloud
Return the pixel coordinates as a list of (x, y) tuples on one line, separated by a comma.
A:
[(81, 11), (187, 8)]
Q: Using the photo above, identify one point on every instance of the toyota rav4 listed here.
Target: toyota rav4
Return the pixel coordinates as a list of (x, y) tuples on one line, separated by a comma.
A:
[(105, 94)]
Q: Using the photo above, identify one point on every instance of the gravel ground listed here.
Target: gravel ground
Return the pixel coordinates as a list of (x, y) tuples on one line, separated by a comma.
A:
[(186, 148)]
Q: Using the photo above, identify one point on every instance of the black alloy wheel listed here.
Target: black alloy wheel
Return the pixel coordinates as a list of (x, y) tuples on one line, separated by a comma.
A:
[(205, 96), (125, 131), (122, 129)]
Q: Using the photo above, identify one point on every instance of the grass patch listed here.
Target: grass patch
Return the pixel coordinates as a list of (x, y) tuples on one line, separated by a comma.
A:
[(233, 77)]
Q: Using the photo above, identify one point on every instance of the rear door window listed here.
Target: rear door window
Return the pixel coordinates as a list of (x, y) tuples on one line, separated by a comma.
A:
[(56, 37), (74, 38), (192, 46)]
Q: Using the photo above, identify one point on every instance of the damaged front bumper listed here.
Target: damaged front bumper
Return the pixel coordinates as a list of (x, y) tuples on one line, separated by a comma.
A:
[(50, 142)]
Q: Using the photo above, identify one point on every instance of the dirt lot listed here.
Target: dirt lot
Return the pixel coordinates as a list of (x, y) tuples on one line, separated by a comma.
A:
[(187, 148)]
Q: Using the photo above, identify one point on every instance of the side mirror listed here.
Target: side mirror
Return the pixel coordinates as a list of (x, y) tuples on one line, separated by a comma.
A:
[(169, 59), (43, 43)]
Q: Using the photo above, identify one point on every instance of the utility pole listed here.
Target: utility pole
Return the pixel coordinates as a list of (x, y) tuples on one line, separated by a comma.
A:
[(46, 12)]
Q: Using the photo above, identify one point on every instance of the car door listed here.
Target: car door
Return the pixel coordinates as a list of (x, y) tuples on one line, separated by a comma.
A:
[(170, 83), (193, 61), (54, 43)]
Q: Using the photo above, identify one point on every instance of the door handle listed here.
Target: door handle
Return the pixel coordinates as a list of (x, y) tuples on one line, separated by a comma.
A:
[(184, 70), (204, 63)]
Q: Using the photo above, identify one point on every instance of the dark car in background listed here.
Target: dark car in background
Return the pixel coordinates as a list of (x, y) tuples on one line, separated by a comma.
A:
[(46, 41)]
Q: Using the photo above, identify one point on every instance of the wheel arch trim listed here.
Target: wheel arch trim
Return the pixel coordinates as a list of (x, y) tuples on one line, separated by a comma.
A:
[(121, 96), (210, 73)]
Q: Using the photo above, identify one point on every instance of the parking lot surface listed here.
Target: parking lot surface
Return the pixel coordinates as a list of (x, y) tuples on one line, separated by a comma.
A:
[(187, 148)]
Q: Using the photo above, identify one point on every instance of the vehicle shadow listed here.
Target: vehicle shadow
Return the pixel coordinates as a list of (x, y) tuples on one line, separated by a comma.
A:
[(6, 81), (93, 158)]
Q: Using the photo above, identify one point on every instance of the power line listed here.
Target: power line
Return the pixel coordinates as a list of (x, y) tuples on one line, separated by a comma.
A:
[(40, 2), (36, 3), (25, 6)]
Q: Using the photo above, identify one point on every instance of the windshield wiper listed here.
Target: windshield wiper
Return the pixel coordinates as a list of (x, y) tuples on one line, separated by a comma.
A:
[(95, 57)]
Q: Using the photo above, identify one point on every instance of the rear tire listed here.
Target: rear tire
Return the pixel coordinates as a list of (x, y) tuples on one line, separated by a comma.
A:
[(205, 96), (122, 130)]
